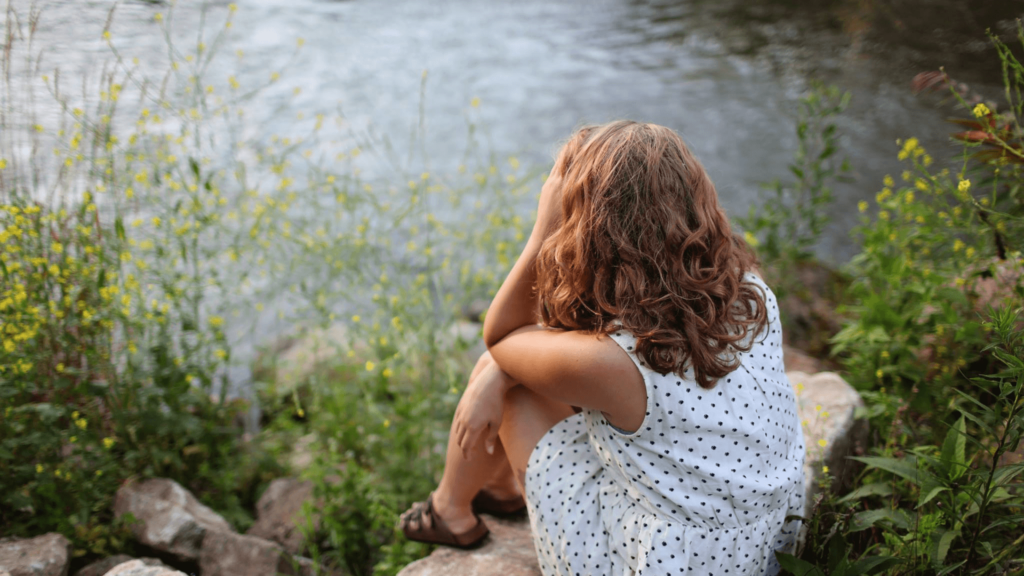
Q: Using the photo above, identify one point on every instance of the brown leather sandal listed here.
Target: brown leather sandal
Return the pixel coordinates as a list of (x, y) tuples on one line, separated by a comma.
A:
[(487, 503), (438, 532)]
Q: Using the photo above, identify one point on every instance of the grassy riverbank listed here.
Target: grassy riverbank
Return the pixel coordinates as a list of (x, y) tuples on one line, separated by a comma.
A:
[(142, 235)]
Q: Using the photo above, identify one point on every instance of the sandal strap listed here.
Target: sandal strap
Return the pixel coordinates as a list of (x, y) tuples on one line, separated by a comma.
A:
[(439, 532)]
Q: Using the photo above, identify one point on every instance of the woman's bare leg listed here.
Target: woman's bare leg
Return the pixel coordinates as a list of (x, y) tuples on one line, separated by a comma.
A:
[(528, 416)]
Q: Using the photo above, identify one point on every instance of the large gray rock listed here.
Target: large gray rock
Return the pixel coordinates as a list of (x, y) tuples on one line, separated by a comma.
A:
[(231, 554), (169, 517), (279, 513), (140, 568), (46, 555), (508, 551), (827, 406)]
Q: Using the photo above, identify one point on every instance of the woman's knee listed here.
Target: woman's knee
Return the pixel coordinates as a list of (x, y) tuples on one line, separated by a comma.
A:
[(482, 362), (528, 417)]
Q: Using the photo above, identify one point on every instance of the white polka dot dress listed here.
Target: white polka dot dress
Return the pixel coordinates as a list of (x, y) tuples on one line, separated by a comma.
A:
[(702, 487)]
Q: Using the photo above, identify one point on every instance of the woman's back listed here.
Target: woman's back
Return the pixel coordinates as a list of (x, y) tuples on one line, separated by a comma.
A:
[(705, 483)]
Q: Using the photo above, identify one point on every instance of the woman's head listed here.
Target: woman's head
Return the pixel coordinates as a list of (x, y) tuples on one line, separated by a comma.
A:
[(643, 240)]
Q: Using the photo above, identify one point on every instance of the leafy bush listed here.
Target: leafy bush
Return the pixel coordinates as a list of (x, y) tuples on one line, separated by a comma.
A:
[(934, 343)]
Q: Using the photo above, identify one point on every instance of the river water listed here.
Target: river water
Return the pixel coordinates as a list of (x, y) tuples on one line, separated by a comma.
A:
[(726, 74)]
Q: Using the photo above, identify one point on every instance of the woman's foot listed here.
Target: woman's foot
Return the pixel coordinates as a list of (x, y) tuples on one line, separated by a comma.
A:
[(435, 521)]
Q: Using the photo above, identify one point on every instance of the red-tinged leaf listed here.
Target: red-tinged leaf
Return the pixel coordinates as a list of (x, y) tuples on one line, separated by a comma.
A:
[(966, 122), (932, 81), (974, 136), (990, 155)]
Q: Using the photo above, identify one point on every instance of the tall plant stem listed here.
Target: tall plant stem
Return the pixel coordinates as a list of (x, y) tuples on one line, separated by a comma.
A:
[(987, 494)]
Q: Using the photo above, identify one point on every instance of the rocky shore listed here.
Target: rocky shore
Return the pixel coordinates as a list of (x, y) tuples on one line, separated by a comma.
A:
[(183, 532)]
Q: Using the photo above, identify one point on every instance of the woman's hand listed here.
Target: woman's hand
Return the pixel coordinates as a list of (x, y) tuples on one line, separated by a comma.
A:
[(549, 209), (478, 416)]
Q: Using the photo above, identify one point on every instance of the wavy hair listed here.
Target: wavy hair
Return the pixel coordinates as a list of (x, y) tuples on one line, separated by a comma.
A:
[(644, 245)]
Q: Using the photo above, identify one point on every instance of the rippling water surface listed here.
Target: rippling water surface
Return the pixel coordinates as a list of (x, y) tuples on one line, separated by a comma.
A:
[(726, 74)]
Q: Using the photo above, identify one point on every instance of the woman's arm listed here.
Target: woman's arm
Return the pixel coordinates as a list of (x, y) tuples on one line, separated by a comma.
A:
[(515, 304), (578, 369)]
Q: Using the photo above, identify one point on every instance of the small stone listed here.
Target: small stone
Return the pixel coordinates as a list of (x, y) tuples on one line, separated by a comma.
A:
[(46, 555), (140, 568), (101, 567), (169, 517), (231, 554), (279, 512), (508, 551)]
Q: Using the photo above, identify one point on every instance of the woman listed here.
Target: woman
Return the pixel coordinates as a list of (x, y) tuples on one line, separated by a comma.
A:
[(633, 390)]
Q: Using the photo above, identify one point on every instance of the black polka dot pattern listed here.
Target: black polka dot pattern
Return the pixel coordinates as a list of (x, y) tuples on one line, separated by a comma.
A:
[(702, 487)]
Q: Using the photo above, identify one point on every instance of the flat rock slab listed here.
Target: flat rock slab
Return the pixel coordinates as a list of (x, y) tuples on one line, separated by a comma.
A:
[(140, 568), (169, 517), (827, 407), (46, 555), (279, 512), (508, 551)]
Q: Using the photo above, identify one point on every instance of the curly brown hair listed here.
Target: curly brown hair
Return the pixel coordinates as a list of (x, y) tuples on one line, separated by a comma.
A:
[(644, 245)]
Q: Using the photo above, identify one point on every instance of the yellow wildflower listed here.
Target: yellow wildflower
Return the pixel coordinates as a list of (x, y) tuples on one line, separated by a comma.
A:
[(387, 373), (824, 469), (475, 102), (108, 442), (964, 185), (822, 442), (981, 110), (862, 206), (370, 366), (750, 238), (39, 468)]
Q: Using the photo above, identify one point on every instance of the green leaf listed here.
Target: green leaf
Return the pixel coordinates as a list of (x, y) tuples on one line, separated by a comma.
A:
[(119, 228), (874, 489), (949, 569), (868, 518), (953, 458), (873, 565), (837, 554), (1006, 473), (906, 468), (928, 492), (796, 566), (941, 541)]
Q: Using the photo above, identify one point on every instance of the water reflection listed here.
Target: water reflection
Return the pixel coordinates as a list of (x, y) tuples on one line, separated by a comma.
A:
[(725, 73)]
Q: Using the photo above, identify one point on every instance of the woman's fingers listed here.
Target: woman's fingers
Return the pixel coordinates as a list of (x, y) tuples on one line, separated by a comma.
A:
[(492, 438)]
